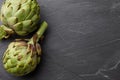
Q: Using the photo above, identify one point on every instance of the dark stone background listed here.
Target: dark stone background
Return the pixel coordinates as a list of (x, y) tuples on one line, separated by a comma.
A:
[(81, 43)]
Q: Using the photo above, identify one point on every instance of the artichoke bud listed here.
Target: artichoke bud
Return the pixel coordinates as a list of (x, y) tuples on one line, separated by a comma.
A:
[(15, 13), (23, 55)]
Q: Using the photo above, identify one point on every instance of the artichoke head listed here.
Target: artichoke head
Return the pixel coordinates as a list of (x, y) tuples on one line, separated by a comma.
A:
[(21, 58), (23, 55), (20, 15)]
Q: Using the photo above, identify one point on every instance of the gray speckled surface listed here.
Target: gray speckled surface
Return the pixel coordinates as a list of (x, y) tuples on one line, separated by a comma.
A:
[(81, 43)]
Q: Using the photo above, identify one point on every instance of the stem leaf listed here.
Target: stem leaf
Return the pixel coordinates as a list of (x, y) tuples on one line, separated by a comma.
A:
[(2, 33)]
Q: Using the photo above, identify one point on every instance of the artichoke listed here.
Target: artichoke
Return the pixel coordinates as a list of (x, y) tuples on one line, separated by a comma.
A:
[(19, 16), (23, 55)]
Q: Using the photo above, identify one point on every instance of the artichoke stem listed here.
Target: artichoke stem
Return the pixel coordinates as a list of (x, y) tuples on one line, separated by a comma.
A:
[(2, 33), (39, 33), (41, 30), (5, 32)]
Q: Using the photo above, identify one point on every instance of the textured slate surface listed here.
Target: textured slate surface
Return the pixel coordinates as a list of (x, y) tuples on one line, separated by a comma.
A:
[(81, 43)]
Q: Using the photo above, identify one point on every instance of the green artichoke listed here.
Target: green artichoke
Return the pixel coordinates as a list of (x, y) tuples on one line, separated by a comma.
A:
[(19, 16), (22, 56)]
